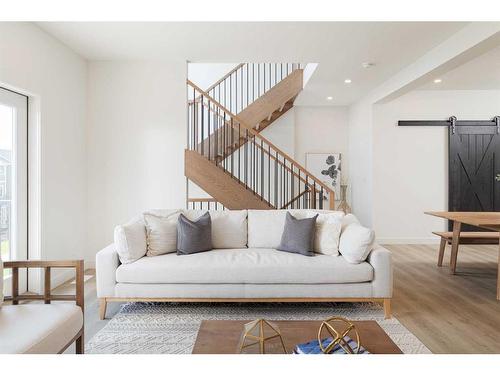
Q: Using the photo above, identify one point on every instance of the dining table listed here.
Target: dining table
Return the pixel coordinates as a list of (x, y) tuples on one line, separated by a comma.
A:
[(485, 220)]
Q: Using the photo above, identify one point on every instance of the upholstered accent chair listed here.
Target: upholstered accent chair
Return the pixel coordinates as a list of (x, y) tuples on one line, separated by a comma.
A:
[(41, 328)]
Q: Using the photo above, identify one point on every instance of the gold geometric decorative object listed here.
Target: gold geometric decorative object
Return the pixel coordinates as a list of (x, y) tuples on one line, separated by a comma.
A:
[(338, 335), (261, 337)]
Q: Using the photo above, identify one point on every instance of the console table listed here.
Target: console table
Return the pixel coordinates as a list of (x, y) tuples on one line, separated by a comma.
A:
[(486, 220)]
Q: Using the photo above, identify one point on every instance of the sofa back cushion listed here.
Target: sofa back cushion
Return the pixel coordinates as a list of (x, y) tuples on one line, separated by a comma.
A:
[(130, 240), (229, 228), (265, 227)]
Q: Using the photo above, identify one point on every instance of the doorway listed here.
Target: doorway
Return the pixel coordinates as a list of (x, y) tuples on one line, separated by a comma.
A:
[(474, 169), (13, 182)]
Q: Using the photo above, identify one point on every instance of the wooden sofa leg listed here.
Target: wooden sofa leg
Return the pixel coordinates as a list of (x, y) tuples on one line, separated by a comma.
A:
[(102, 308), (387, 308), (80, 345), (442, 247)]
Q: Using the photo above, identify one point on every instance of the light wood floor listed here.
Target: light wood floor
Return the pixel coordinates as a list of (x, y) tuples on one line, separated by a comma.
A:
[(449, 314)]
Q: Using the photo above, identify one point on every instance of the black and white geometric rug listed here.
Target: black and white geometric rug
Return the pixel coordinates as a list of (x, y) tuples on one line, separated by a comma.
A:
[(171, 328)]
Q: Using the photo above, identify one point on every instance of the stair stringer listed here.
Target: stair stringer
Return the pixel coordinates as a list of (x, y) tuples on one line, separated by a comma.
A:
[(219, 184)]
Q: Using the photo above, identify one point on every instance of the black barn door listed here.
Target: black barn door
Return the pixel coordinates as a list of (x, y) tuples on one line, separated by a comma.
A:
[(474, 170)]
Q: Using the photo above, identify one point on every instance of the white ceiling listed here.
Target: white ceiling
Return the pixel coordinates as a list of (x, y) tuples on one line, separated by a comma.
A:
[(339, 47), (481, 73)]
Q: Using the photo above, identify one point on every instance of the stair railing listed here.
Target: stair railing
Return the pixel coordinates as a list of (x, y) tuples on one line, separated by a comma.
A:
[(254, 161), (244, 84), (204, 204)]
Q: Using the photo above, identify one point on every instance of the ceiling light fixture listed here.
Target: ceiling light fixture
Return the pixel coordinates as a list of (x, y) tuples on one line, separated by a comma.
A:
[(368, 65), (438, 80), (329, 98), (347, 80)]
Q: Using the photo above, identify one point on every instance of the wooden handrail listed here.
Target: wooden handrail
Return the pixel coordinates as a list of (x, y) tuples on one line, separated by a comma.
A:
[(256, 134), (226, 76), (307, 190), (203, 200), (239, 143), (219, 81)]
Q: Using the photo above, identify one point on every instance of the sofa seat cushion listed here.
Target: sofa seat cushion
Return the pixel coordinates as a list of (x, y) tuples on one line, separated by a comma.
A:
[(37, 328), (248, 266)]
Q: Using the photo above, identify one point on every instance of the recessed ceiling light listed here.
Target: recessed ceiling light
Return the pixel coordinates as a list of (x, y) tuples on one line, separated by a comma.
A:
[(329, 98), (347, 80), (438, 80)]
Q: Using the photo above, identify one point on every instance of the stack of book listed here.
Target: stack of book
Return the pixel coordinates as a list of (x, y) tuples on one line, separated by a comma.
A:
[(313, 347)]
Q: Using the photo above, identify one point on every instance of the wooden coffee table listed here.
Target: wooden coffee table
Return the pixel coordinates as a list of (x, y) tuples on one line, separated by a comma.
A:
[(223, 336)]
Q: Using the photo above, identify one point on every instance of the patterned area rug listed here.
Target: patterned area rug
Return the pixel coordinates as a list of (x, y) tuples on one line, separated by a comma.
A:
[(171, 328)]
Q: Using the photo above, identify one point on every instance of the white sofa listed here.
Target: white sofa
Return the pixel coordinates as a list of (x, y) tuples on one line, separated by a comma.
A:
[(251, 273)]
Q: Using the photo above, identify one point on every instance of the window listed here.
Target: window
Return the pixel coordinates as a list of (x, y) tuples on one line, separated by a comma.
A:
[(13, 176)]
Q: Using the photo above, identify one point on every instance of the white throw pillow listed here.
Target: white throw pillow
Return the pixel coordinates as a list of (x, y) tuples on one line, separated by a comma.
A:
[(161, 233), (348, 220), (229, 228), (356, 242), (130, 241)]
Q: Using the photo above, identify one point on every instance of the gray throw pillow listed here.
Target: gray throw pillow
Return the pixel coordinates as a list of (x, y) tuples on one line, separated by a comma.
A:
[(298, 235), (194, 236)]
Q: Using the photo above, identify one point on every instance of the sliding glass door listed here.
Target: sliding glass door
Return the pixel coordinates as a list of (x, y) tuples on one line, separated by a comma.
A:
[(13, 181)]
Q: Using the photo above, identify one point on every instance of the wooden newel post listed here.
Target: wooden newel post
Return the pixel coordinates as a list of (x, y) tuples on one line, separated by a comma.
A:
[(331, 198)]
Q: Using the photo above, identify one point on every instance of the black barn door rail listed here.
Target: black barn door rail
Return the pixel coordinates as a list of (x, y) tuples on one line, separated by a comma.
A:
[(494, 121), (453, 122)]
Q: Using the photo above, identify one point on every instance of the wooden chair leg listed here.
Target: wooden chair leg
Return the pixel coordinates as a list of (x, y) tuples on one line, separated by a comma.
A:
[(80, 345), (498, 276), (454, 246), (442, 248), (102, 308), (387, 308)]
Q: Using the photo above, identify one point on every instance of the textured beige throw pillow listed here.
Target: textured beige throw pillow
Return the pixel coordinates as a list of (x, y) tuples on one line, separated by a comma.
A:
[(130, 241), (328, 229), (161, 233), (327, 237)]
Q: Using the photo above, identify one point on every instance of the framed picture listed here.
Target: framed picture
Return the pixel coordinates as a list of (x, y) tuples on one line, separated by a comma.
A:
[(327, 168)]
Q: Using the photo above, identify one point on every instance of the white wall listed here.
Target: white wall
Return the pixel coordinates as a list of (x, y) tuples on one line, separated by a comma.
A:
[(136, 140), (410, 164), (360, 159), (322, 130), (33, 62), (205, 75), (281, 132)]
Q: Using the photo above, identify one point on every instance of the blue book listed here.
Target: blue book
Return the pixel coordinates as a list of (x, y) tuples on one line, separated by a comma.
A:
[(312, 347)]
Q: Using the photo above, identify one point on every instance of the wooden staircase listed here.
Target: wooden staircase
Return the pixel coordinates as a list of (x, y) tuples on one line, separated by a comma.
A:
[(229, 158), (220, 184), (274, 102)]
